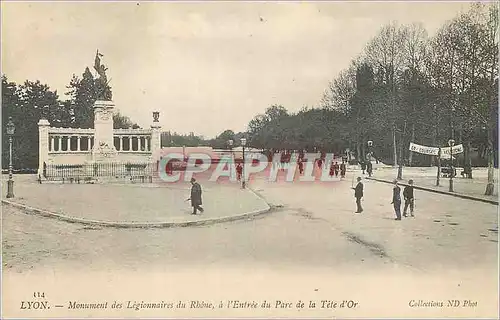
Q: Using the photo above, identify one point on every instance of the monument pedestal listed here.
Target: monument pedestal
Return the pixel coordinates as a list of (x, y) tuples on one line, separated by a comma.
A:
[(104, 149), (104, 153)]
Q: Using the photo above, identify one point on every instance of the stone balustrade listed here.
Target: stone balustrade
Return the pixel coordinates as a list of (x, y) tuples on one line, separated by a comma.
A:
[(82, 140), (71, 146), (132, 142)]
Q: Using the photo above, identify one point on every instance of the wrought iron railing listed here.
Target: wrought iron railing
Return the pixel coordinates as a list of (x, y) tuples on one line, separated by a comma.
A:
[(137, 171)]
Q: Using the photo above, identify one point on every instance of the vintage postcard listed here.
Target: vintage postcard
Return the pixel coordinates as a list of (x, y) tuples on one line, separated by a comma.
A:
[(249, 159)]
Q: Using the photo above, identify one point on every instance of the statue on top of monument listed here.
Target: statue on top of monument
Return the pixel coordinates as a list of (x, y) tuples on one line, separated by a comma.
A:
[(103, 91)]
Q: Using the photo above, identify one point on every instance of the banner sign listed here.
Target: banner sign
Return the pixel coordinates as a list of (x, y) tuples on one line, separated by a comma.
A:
[(455, 149), (433, 151), (423, 149)]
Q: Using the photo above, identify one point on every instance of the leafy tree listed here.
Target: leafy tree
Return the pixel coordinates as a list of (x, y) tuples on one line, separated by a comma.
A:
[(26, 104), (83, 93), (221, 141), (123, 122)]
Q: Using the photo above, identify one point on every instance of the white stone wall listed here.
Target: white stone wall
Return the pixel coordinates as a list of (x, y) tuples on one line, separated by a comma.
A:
[(98, 144), (43, 143), (69, 158), (103, 123)]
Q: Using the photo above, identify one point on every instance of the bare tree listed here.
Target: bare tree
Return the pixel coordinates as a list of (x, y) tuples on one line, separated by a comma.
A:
[(415, 51), (340, 91), (384, 55)]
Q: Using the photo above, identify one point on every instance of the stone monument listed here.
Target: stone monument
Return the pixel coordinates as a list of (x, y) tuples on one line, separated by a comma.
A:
[(103, 91), (103, 149)]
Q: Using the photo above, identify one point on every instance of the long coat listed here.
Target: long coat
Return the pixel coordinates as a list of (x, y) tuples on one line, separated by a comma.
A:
[(358, 191), (369, 167), (396, 196), (196, 195)]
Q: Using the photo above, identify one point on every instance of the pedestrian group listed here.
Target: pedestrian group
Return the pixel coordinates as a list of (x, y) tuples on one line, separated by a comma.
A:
[(408, 193)]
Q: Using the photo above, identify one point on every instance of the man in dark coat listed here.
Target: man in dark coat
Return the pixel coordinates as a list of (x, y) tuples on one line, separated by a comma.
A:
[(301, 165), (239, 171), (369, 168), (358, 194), (409, 198), (396, 199), (363, 166), (196, 196), (342, 169), (336, 169)]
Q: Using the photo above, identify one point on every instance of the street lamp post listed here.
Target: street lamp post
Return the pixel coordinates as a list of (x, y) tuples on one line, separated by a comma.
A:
[(230, 143), (451, 142), (10, 183), (243, 143)]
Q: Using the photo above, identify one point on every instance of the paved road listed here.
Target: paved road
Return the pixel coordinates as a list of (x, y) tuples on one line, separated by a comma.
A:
[(316, 221), (135, 202), (426, 177), (449, 232)]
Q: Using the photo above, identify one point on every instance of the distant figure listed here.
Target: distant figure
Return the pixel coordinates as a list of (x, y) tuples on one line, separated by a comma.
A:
[(358, 194), (336, 169), (320, 163), (196, 196), (342, 169), (332, 169), (301, 165), (239, 171), (369, 168), (396, 199), (363, 166), (409, 198)]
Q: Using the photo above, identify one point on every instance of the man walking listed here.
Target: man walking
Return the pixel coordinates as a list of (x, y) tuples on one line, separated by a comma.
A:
[(363, 166), (336, 169), (342, 169), (196, 196), (301, 165), (358, 194), (409, 199), (396, 199), (369, 168), (239, 171)]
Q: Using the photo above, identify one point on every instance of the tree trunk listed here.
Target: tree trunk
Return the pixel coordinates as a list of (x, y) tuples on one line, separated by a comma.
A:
[(410, 157), (490, 187), (433, 158), (363, 149), (395, 155), (358, 151), (435, 135), (439, 167), (401, 143), (467, 158)]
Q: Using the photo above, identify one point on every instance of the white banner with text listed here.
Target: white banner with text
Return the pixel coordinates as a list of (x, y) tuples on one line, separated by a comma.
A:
[(433, 151)]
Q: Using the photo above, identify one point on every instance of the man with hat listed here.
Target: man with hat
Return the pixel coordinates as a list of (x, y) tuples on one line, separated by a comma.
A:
[(409, 198), (195, 196), (358, 194), (396, 199)]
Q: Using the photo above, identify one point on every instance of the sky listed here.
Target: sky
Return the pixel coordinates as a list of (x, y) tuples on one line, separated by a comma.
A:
[(206, 67)]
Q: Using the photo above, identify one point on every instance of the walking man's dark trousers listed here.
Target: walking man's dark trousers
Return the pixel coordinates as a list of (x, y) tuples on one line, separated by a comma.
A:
[(196, 196), (358, 194)]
